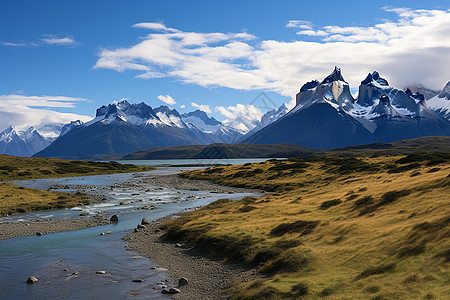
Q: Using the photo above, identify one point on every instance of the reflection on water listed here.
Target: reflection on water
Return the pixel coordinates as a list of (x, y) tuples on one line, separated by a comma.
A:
[(54, 257)]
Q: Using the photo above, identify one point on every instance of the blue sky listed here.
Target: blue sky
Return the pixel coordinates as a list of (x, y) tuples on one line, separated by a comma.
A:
[(93, 53)]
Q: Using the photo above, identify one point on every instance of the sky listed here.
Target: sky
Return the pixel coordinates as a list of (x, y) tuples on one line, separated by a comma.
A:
[(60, 60)]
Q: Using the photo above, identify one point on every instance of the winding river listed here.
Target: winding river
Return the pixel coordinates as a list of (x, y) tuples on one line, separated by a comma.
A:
[(53, 258)]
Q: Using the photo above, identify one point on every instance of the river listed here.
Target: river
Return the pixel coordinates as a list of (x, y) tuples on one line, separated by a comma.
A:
[(54, 257)]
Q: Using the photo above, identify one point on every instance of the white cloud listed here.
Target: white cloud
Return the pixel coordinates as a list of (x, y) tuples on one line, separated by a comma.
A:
[(56, 40), (167, 99), (155, 26), (412, 47), (241, 117), (20, 111), (202, 107), (300, 24), (182, 106), (48, 39)]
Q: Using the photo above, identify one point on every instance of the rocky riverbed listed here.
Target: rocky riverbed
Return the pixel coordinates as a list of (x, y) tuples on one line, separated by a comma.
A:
[(206, 278), (45, 226)]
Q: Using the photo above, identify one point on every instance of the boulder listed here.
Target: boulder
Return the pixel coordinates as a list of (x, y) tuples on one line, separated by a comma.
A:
[(145, 221), (182, 281), (32, 280), (138, 280), (141, 227), (164, 291), (125, 202), (114, 219)]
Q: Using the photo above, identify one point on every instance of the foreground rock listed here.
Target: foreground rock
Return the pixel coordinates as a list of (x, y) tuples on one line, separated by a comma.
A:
[(114, 219), (32, 280)]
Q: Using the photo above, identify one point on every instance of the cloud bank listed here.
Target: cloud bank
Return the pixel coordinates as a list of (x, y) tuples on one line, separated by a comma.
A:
[(167, 99), (412, 47), (25, 111)]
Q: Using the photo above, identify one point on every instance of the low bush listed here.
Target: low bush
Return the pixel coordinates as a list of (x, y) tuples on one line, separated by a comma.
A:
[(300, 289), (289, 262), (303, 227), (330, 203), (376, 270)]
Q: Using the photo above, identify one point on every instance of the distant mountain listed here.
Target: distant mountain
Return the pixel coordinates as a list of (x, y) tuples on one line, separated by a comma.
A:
[(122, 128), (22, 143), (441, 102), (220, 132), (426, 92), (319, 119), (268, 118)]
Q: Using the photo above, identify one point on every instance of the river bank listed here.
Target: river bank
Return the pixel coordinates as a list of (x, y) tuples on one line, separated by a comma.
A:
[(207, 278), (45, 226)]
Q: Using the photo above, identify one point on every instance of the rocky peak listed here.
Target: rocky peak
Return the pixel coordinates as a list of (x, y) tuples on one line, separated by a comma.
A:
[(336, 75), (309, 85), (445, 93)]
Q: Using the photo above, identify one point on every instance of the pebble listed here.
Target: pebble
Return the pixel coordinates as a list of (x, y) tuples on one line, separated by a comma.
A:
[(141, 227), (114, 219), (174, 291), (145, 221), (32, 280), (138, 280), (38, 233), (178, 245), (182, 281), (100, 272)]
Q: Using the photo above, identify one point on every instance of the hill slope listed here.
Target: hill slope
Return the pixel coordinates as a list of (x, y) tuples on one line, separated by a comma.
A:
[(347, 228)]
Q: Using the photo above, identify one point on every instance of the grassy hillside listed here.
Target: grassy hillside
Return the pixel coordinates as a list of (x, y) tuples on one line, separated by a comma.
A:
[(15, 199), (221, 151), (337, 228), (18, 168)]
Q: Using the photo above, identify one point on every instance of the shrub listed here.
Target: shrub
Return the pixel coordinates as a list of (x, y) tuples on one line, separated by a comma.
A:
[(376, 270), (411, 250), (392, 196), (300, 289), (247, 208), (289, 262), (303, 227), (330, 203), (434, 170), (363, 201), (404, 168)]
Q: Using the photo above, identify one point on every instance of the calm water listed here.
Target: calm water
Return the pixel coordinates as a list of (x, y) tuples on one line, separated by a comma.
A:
[(179, 162), (85, 251)]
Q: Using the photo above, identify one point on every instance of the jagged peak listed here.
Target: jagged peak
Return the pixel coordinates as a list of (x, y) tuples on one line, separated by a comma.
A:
[(309, 85), (375, 76), (445, 91), (336, 75)]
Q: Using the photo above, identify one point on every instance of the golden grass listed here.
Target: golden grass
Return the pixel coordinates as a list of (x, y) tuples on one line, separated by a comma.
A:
[(15, 199), (18, 168), (392, 246)]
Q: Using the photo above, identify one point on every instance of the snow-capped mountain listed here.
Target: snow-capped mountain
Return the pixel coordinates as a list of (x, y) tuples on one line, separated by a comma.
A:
[(22, 143), (426, 92), (121, 128), (441, 102), (319, 119), (326, 115), (268, 118), (28, 142)]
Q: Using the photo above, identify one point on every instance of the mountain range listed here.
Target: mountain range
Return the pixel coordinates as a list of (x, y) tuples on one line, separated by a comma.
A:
[(326, 116)]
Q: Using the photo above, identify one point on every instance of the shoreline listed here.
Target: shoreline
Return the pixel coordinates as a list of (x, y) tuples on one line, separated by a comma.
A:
[(207, 277), (13, 229)]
